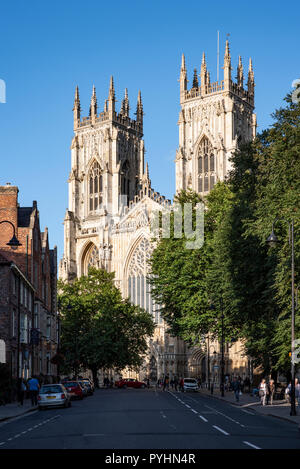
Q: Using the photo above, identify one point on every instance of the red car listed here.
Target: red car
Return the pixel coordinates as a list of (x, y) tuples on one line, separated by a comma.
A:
[(74, 389), (130, 383)]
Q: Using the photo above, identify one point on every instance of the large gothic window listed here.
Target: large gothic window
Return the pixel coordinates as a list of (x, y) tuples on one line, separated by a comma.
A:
[(95, 187), (206, 166), (90, 259), (139, 289)]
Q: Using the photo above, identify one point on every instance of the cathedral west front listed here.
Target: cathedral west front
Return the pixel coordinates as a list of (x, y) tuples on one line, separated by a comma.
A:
[(111, 200)]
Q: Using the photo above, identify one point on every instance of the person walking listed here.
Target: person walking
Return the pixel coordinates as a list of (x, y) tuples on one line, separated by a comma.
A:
[(181, 385), (33, 387), (236, 386), (297, 391), (176, 383), (263, 391), (166, 383), (271, 391), (21, 388)]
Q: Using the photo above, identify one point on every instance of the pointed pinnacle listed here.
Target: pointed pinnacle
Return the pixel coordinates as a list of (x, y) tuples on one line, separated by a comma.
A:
[(227, 51), (126, 93), (250, 65), (203, 59), (147, 170), (183, 62), (76, 93)]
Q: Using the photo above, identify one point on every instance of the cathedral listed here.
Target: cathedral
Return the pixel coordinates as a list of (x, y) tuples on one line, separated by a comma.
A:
[(111, 200)]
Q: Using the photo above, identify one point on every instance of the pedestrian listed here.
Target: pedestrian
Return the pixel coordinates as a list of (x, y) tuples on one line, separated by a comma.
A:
[(21, 389), (176, 383), (297, 391), (33, 387), (236, 386), (287, 392), (181, 385), (263, 392), (172, 383), (271, 391), (148, 383), (166, 383)]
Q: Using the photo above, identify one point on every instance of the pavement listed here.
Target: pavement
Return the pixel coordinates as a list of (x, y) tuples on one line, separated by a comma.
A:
[(131, 419), (13, 410), (279, 408)]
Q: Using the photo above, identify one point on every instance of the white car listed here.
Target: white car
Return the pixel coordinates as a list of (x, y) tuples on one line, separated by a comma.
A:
[(190, 384), (52, 395)]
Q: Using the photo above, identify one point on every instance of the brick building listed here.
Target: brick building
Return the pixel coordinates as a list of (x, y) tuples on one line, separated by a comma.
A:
[(28, 278)]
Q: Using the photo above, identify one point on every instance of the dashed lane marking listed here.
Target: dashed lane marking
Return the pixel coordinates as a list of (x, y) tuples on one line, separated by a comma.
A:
[(203, 418), (220, 430), (250, 444)]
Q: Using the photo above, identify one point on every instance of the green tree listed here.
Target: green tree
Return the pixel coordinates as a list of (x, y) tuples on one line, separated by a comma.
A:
[(99, 328)]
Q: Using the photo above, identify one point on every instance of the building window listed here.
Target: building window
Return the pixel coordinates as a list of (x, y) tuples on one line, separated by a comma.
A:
[(206, 166), (13, 326), (95, 187), (23, 329), (139, 290)]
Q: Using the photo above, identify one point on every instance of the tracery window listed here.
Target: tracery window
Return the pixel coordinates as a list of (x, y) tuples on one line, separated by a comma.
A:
[(206, 166), (139, 289), (95, 187), (93, 258)]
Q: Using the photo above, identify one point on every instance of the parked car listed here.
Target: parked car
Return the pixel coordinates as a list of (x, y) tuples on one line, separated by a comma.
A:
[(85, 387), (89, 387), (74, 389), (190, 384), (51, 395), (130, 383)]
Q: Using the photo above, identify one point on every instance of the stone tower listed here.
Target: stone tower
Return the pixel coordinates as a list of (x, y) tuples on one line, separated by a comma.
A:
[(214, 119), (107, 162)]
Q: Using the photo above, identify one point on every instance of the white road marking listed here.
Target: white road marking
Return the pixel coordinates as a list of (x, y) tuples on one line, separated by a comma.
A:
[(224, 415), (2, 443), (195, 412), (220, 430), (250, 444), (247, 412), (204, 419)]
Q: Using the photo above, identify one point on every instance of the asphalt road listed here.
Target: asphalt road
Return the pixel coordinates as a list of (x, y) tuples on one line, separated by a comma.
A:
[(148, 419)]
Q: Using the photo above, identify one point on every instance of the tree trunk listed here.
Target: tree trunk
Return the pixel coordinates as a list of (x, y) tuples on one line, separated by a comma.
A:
[(94, 371)]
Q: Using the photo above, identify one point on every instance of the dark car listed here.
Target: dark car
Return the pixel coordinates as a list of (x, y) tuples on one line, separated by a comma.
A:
[(130, 383), (74, 389)]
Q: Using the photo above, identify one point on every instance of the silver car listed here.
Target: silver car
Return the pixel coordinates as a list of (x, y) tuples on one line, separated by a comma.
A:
[(52, 395), (190, 384)]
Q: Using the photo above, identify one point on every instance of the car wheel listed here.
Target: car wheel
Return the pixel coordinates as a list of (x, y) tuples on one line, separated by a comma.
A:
[(143, 386)]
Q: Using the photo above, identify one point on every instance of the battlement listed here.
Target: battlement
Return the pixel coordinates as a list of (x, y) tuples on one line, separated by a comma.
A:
[(109, 113)]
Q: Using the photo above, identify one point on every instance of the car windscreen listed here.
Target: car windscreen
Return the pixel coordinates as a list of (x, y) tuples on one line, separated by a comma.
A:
[(50, 389), (192, 381)]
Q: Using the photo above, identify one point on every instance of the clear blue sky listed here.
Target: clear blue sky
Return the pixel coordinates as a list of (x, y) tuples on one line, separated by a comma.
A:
[(47, 48)]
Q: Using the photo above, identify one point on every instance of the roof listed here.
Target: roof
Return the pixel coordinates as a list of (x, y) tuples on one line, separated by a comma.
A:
[(24, 214), (4, 260)]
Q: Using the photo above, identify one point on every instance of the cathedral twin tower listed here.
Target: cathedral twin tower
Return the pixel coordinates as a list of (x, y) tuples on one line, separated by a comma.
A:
[(107, 161)]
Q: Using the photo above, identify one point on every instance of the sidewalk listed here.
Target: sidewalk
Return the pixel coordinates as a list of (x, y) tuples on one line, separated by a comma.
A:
[(10, 411), (280, 408)]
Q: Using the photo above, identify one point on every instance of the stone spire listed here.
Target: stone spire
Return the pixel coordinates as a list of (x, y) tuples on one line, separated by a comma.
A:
[(93, 105), (195, 79), (139, 109), (227, 67), (111, 98), (125, 105), (183, 79), (240, 74), (203, 75), (250, 82), (146, 183), (76, 108)]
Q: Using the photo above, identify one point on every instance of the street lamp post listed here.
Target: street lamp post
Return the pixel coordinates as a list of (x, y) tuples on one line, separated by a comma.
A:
[(222, 345), (14, 242), (273, 240)]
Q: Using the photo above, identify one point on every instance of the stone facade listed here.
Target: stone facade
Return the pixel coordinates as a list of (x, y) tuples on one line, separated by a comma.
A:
[(111, 200), (31, 304)]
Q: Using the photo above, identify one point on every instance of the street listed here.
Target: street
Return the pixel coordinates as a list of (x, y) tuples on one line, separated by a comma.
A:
[(148, 419)]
